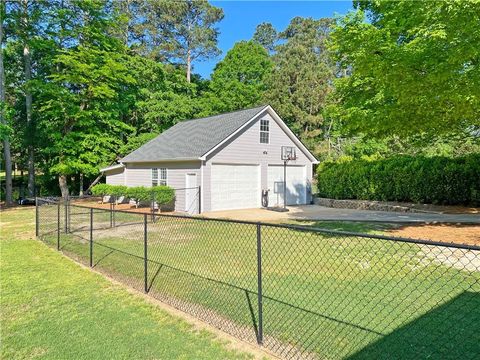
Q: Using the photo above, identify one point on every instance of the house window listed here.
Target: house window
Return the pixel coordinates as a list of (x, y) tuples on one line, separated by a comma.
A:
[(159, 176), (264, 131)]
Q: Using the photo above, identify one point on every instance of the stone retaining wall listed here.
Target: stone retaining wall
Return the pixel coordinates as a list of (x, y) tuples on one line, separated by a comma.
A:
[(364, 205)]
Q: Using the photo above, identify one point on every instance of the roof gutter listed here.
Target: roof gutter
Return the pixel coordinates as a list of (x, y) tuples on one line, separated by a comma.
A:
[(112, 167)]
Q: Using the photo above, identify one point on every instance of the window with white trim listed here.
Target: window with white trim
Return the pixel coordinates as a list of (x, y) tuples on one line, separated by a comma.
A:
[(264, 131), (159, 176)]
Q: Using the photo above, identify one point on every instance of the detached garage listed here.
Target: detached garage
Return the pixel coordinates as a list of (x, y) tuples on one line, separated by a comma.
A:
[(231, 158)]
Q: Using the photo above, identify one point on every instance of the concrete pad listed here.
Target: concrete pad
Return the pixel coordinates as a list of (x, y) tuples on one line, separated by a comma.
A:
[(321, 213)]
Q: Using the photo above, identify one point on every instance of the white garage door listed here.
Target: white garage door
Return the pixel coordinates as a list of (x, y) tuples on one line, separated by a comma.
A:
[(296, 185), (235, 186)]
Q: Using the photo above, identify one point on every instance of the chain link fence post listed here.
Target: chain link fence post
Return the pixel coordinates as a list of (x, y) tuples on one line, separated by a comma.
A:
[(69, 208), (58, 225), (65, 201), (113, 207), (259, 285), (199, 199), (36, 217), (111, 214), (145, 253), (91, 237)]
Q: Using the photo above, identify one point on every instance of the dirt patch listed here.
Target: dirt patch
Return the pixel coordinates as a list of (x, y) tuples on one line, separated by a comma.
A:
[(123, 207), (459, 234)]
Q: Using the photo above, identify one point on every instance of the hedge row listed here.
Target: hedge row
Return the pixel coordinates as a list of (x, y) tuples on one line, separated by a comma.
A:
[(435, 180), (161, 194)]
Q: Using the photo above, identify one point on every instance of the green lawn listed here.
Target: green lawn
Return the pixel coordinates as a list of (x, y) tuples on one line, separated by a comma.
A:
[(51, 308), (329, 296)]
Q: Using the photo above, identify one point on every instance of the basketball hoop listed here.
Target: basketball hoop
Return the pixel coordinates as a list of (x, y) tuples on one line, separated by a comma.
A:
[(289, 153)]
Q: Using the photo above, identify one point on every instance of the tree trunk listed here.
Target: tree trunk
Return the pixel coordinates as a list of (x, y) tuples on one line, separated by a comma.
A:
[(62, 181), (6, 141), (80, 192), (189, 65), (98, 178), (27, 58)]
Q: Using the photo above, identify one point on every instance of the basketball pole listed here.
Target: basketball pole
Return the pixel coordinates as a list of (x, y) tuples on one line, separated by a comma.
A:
[(285, 184)]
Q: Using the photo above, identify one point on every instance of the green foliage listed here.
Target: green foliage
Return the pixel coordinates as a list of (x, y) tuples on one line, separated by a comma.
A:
[(181, 31), (238, 81), (162, 194), (118, 190), (266, 35), (437, 180), (301, 79), (159, 194), (101, 190), (412, 69)]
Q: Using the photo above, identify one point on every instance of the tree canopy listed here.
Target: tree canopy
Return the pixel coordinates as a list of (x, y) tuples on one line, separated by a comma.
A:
[(86, 81), (414, 67), (238, 81)]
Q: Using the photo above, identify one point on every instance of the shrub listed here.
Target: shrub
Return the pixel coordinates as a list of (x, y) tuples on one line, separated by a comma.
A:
[(163, 194), (138, 193), (118, 190), (437, 180), (101, 190)]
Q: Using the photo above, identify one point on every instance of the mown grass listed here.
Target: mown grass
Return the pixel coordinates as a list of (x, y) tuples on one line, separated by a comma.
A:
[(51, 308), (331, 296)]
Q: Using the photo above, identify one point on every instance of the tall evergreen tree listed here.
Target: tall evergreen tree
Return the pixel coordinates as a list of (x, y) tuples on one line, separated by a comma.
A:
[(301, 79), (189, 31), (4, 126), (266, 35)]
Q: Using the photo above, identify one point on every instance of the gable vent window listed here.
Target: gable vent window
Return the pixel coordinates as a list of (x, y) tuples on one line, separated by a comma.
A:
[(159, 176), (264, 131)]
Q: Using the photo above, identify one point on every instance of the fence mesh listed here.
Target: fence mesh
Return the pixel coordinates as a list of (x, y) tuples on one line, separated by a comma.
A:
[(324, 294)]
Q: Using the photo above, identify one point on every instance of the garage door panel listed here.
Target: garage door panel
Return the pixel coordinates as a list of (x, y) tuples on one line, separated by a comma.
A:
[(296, 185), (235, 186)]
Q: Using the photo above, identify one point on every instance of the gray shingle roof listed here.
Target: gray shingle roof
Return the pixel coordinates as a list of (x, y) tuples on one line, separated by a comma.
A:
[(192, 138)]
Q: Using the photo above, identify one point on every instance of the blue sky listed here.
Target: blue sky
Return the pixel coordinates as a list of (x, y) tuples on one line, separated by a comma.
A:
[(241, 18)]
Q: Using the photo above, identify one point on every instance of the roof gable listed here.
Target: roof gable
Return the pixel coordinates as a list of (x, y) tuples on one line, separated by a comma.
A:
[(191, 139)]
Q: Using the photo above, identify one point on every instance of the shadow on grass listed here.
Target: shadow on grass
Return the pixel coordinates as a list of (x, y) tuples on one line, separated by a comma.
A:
[(351, 226), (450, 331)]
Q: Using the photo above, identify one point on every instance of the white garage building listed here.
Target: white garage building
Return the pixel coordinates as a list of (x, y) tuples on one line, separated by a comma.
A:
[(229, 157)]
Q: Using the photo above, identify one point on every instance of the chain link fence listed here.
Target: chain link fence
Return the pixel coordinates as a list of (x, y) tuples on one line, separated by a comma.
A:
[(302, 293)]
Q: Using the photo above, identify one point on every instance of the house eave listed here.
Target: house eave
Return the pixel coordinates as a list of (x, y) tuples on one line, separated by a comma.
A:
[(112, 167)]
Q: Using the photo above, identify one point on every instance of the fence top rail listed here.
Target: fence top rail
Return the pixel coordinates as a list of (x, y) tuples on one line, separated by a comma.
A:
[(302, 228)]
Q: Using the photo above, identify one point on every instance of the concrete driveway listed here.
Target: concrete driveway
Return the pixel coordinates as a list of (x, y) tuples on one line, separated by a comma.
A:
[(316, 212)]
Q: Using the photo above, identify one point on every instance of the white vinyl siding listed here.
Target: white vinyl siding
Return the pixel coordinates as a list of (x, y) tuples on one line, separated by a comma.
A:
[(115, 177), (296, 185)]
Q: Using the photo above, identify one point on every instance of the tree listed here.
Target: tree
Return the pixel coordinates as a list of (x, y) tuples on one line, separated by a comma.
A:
[(238, 81), (266, 35), (414, 67), (301, 79), (81, 109), (25, 26), (4, 127), (189, 32)]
